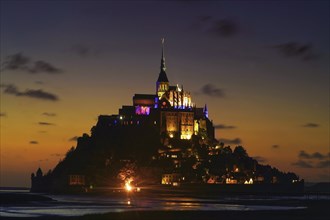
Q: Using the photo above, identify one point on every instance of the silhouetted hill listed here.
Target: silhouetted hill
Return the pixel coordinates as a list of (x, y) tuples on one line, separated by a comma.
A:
[(113, 154)]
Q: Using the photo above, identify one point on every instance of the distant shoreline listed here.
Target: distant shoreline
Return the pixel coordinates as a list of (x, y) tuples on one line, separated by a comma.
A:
[(13, 188)]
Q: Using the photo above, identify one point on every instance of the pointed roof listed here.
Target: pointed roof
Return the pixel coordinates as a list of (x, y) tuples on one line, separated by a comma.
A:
[(205, 108), (162, 75), (39, 172), (205, 111)]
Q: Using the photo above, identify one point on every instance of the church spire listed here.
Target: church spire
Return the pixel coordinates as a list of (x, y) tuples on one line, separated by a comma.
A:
[(162, 75), (162, 84), (162, 63)]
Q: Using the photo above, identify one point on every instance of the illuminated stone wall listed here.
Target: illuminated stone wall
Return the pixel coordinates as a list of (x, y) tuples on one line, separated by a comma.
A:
[(178, 123), (172, 123), (187, 124)]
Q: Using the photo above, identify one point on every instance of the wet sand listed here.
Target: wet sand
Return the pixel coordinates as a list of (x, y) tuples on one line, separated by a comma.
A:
[(313, 213), (314, 209), (310, 213)]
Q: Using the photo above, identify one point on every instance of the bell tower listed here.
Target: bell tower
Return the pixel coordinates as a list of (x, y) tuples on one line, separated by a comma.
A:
[(162, 84)]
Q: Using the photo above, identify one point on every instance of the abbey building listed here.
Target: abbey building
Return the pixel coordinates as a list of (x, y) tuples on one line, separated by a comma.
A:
[(170, 110)]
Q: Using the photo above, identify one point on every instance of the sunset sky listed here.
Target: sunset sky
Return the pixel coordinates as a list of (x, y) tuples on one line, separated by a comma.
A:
[(262, 67)]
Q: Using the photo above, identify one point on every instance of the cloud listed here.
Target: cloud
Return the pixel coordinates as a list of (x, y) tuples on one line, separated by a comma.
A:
[(323, 164), (31, 93), (34, 142), (321, 160), (45, 123), (224, 28), (39, 94), (49, 114), (236, 141), (260, 159), (304, 155), (311, 125), (16, 62), (20, 62), (303, 164), (304, 52), (3, 114), (75, 138), (319, 156), (43, 66), (275, 146), (205, 18), (81, 50), (39, 82), (211, 90), (316, 155), (223, 126)]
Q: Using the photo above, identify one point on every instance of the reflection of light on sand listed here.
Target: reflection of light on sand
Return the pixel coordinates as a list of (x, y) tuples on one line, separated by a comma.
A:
[(185, 205), (19, 215), (81, 205), (52, 210), (83, 209)]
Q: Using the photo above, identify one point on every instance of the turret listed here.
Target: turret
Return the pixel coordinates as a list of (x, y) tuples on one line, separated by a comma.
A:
[(39, 172), (205, 111)]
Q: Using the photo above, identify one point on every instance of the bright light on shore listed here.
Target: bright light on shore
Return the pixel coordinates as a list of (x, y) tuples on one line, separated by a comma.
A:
[(128, 187)]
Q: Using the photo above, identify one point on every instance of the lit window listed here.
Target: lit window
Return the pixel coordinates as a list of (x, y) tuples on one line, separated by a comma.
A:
[(142, 110)]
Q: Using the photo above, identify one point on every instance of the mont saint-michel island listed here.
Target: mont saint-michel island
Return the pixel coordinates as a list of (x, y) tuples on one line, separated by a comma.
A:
[(165, 140), (166, 110)]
